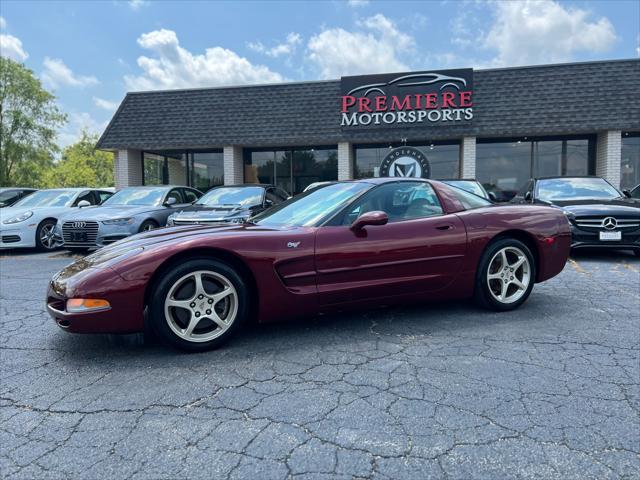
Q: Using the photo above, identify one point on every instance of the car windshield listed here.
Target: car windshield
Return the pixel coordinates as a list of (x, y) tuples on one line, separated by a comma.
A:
[(309, 209), (468, 185), (243, 196), (48, 198), (575, 189), (137, 196)]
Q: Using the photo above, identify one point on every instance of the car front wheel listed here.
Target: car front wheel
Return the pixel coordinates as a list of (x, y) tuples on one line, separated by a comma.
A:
[(505, 275), (45, 239), (199, 304), (147, 226)]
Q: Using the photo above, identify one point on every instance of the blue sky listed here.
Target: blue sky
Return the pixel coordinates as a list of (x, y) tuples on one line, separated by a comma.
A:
[(91, 53)]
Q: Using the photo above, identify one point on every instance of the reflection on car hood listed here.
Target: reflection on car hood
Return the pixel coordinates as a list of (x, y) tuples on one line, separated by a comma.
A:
[(209, 214), (621, 206), (99, 213), (10, 212)]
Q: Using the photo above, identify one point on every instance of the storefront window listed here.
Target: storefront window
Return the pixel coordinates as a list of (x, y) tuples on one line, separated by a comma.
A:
[(153, 169), (630, 166), (207, 170), (291, 170), (504, 167), (444, 159), (201, 170)]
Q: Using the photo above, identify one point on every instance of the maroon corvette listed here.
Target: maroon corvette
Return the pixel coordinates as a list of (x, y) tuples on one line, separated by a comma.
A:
[(359, 243)]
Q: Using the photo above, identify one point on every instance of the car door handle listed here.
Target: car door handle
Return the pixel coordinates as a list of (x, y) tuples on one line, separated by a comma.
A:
[(447, 226)]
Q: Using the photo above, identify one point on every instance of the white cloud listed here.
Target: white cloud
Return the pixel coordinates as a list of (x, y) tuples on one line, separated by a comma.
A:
[(79, 121), (57, 74), (11, 47), (3, 23), (137, 4), (543, 31), (176, 67), (357, 3), (287, 48), (375, 48), (105, 104)]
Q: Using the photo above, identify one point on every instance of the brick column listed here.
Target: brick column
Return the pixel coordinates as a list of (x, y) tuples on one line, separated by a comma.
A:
[(468, 157), (346, 157), (233, 165), (609, 156), (128, 168)]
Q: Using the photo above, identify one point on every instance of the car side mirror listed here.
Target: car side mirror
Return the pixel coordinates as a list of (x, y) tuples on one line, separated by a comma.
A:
[(268, 203), (528, 197), (492, 197), (170, 201), (627, 193), (369, 218), (83, 203)]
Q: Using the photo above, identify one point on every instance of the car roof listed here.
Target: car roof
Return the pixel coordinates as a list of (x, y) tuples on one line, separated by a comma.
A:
[(4, 189), (263, 185), (457, 180), (554, 177)]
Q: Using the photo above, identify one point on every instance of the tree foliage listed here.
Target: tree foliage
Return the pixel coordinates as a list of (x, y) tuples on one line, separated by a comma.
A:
[(29, 118), (82, 165)]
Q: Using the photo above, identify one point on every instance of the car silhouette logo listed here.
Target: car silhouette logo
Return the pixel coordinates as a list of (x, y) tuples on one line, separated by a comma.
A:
[(79, 224), (609, 223)]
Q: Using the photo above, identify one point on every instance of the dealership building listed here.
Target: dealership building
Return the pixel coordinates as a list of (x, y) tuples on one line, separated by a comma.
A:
[(501, 126)]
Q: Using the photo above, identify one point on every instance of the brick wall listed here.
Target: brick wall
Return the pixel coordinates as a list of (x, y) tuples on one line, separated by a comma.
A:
[(345, 161), (608, 156), (468, 157), (233, 165), (128, 168)]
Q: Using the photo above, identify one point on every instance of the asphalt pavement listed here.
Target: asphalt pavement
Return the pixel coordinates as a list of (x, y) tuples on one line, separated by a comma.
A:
[(550, 391)]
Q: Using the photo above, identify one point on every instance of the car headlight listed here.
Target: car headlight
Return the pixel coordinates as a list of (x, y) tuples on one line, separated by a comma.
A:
[(118, 221), (570, 215), (170, 221), (19, 218)]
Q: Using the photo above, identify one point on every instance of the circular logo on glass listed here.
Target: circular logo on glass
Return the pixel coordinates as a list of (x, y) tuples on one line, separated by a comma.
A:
[(405, 162)]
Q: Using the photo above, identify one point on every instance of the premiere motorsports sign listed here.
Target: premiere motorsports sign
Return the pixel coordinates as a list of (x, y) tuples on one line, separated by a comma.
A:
[(438, 97)]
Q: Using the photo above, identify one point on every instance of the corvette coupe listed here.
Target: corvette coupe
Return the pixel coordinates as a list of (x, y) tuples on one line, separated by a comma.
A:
[(351, 244)]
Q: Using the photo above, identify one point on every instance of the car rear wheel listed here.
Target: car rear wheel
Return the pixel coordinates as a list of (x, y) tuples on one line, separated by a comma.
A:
[(505, 275), (148, 225), (199, 304), (45, 239)]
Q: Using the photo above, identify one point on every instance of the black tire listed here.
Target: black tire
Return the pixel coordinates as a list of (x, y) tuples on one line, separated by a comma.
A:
[(148, 225), (483, 288), (163, 325), (41, 246)]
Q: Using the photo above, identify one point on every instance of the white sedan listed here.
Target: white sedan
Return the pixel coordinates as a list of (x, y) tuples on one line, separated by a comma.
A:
[(31, 221)]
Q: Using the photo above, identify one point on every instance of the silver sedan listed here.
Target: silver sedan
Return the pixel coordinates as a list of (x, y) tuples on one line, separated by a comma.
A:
[(129, 211)]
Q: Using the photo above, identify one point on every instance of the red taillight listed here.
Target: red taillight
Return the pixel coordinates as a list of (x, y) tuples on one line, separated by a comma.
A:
[(549, 240)]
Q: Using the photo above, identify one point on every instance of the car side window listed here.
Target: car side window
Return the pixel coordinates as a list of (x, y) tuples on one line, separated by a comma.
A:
[(189, 195), (273, 196), (175, 193), (102, 195), (88, 196), (399, 200)]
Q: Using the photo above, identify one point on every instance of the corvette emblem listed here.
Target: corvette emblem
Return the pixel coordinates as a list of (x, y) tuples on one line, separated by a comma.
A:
[(610, 223), (293, 244)]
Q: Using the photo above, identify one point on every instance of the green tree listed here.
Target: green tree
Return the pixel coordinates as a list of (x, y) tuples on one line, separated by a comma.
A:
[(29, 118), (82, 165)]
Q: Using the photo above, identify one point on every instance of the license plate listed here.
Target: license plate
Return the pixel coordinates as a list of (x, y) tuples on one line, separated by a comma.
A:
[(78, 237), (610, 235)]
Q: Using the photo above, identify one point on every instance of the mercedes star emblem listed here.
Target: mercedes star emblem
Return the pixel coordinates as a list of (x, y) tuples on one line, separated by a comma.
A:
[(609, 223)]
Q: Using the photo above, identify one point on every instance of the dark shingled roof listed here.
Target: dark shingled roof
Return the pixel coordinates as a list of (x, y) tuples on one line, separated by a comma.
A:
[(540, 100)]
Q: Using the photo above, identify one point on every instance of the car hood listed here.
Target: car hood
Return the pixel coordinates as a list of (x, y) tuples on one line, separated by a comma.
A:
[(9, 212), (165, 237), (622, 206), (99, 213), (216, 212)]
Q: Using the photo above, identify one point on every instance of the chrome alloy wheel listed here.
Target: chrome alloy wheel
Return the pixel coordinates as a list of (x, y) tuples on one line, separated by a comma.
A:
[(508, 275), (201, 306), (47, 238)]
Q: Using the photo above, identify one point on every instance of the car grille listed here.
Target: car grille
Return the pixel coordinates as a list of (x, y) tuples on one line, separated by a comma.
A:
[(598, 223), (10, 238), (71, 229)]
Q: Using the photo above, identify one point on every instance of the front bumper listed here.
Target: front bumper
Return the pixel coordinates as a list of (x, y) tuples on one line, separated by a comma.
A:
[(18, 236), (583, 238), (125, 297)]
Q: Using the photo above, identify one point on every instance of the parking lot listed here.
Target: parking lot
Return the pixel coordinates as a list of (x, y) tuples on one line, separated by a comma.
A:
[(548, 391)]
